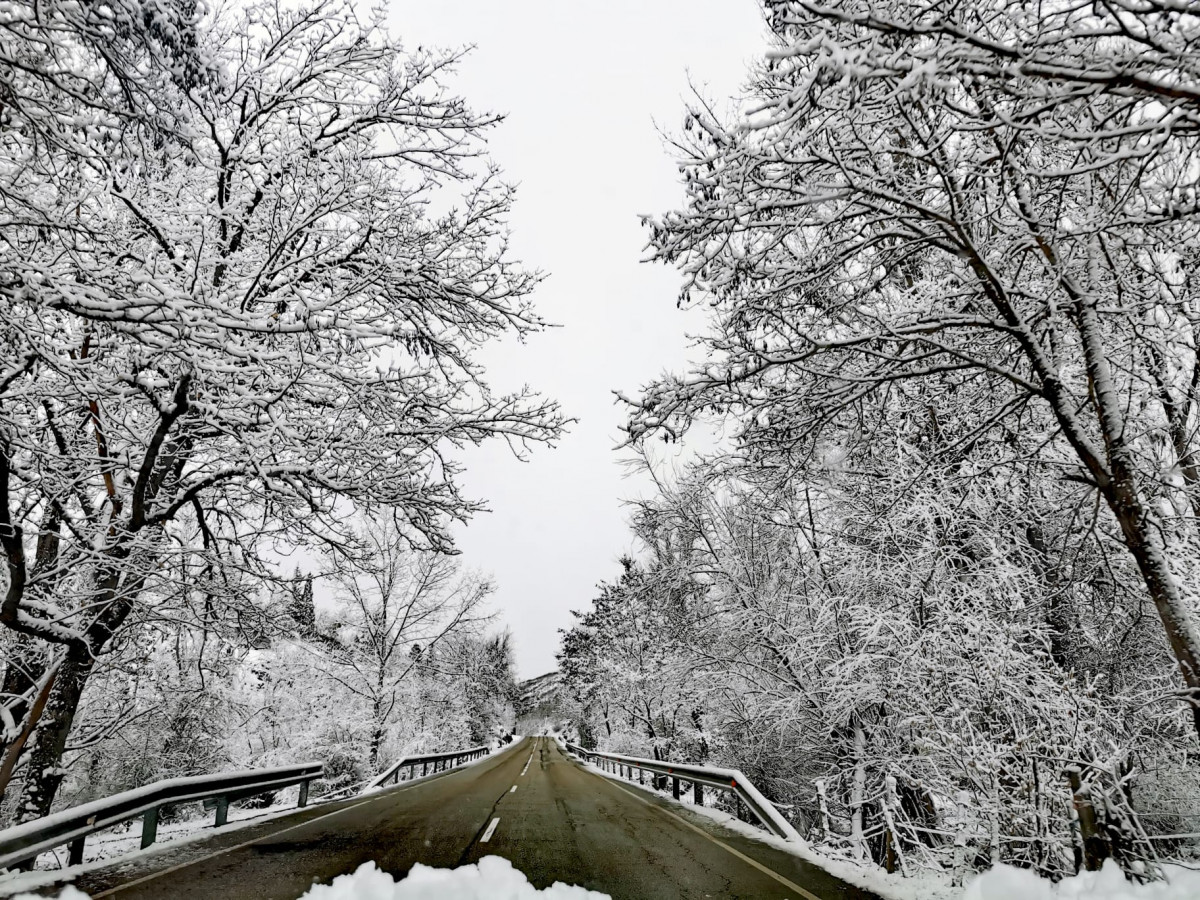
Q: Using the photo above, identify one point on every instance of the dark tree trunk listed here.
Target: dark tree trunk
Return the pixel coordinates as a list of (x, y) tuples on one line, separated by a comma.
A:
[(1061, 615), (50, 740), (377, 732), (1143, 535), (44, 773)]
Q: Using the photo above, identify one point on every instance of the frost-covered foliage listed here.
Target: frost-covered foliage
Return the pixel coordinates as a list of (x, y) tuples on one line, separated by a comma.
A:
[(246, 262), (971, 200), (375, 676), (907, 671), (949, 562)]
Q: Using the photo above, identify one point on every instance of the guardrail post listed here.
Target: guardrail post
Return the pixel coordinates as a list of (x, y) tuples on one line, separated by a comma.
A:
[(75, 853), (303, 794), (222, 812), (675, 786), (412, 771), (149, 826), (425, 768), (697, 793), (641, 775)]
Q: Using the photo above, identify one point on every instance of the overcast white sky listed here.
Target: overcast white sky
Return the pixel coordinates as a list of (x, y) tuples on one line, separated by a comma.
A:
[(585, 86)]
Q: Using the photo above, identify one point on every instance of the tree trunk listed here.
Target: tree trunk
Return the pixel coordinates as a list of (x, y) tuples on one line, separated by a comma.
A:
[(1141, 526), (1143, 532), (1062, 618), (858, 793), (44, 774), (12, 752), (377, 732)]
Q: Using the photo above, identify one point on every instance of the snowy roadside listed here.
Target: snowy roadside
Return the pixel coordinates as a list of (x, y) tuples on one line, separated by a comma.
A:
[(927, 886), (999, 883), (1005, 883), (105, 848)]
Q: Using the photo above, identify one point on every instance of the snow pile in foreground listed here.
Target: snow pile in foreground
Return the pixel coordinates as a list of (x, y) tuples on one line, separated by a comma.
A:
[(1005, 883), (492, 878)]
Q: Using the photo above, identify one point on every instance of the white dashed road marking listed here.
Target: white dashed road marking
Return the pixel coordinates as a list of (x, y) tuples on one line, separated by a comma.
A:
[(513, 788), (491, 829)]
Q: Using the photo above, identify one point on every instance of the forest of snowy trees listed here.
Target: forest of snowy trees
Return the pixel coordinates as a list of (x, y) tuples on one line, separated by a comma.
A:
[(946, 569), (934, 590), (248, 258)]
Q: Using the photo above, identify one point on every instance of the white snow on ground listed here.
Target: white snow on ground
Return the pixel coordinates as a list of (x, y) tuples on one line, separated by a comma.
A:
[(492, 878), (1006, 883), (123, 842), (106, 847)]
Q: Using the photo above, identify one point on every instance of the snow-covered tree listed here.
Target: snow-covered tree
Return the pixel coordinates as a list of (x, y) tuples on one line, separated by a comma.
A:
[(999, 203), (885, 660), (628, 663), (234, 332), (395, 608)]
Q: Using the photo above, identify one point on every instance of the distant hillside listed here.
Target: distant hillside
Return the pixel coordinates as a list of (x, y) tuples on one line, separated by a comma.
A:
[(540, 706)]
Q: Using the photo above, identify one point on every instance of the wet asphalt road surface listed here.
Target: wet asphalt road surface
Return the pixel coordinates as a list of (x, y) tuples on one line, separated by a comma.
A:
[(562, 822)]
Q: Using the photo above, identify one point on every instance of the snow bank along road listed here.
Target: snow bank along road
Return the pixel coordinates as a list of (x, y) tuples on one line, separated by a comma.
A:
[(532, 804)]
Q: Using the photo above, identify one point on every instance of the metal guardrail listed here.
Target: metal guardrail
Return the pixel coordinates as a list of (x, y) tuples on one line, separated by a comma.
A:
[(72, 826), (730, 780), (440, 762)]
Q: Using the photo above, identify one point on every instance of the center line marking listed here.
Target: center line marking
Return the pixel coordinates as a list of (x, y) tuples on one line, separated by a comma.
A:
[(491, 829), (513, 788)]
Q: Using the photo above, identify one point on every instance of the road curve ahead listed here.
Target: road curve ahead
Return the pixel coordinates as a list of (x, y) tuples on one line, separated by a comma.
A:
[(552, 818)]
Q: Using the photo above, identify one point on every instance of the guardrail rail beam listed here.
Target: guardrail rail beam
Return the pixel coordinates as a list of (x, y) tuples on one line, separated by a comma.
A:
[(441, 762), (730, 780), (24, 842)]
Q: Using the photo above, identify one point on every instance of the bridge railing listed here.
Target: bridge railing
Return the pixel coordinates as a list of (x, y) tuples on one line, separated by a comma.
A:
[(439, 762), (72, 826), (699, 777)]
